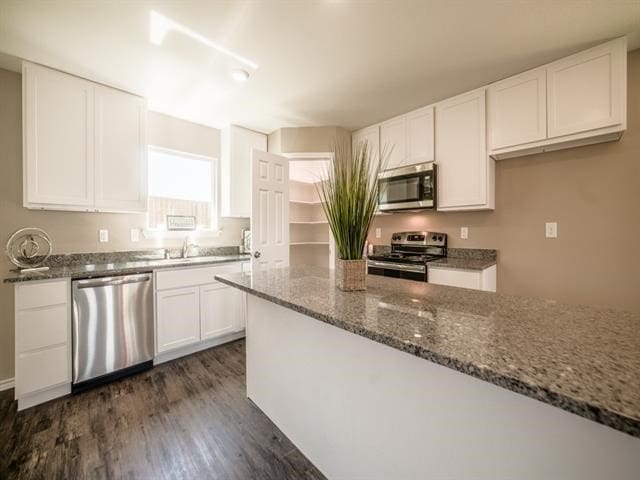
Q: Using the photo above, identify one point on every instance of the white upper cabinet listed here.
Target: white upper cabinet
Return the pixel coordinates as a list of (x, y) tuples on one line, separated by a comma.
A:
[(465, 172), (235, 168), (371, 135), (58, 154), (578, 100), (518, 109), (84, 144), (419, 136), (587, 91), (392, 138), (121, 152)]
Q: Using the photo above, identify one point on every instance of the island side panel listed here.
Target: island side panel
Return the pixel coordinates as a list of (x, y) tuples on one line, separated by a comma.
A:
[(360, 409)]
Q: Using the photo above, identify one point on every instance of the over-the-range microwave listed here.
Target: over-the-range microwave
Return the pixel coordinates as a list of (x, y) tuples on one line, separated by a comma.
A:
[(407, 188)]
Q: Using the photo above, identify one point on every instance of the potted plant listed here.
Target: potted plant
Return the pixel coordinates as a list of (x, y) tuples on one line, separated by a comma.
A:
[(349, 198)]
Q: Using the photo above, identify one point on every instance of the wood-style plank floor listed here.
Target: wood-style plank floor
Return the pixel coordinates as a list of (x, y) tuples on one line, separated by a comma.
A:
[(186, 419)]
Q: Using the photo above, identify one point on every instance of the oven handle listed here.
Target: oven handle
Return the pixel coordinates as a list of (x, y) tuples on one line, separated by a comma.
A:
[(397, 266)]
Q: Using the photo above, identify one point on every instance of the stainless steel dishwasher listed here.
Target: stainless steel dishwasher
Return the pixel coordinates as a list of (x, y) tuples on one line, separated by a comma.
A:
[(112, 328)]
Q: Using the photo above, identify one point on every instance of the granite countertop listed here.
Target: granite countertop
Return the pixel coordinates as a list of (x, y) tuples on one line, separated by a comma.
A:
[(75, 271), (463, 263), (582, 359)]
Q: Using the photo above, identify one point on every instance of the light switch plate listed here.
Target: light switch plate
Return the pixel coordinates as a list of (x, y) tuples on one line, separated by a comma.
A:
[(135, 234), (464, 233), (104, 235), (378, 233), (551, 229)]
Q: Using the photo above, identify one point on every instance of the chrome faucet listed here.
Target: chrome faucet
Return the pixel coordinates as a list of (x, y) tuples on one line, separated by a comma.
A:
[(186, 246)]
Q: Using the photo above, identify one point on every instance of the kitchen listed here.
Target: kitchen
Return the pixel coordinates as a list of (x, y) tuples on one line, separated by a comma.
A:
[(539, 214)]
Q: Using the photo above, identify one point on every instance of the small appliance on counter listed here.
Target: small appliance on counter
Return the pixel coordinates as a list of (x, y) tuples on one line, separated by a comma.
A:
[(408, 188), (409, 255)]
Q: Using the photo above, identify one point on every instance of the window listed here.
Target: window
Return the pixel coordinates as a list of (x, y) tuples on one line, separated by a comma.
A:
[(181, 184)]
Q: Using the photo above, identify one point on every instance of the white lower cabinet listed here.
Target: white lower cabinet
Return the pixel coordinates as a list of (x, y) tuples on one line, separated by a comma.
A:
[(193, 310), (474, 279), (177, 318), (42, 341), (221, 310)]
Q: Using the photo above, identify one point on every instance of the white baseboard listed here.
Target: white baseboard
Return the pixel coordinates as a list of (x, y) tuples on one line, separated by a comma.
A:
[(196, 347), (6, 384)]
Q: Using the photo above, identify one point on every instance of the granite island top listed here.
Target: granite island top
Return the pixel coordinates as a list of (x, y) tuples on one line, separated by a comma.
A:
[(582, 359), (91, 270)]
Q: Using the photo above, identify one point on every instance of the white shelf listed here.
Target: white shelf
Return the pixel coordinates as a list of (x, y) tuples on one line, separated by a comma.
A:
[(308, 243), (306, 202), (313, 222)]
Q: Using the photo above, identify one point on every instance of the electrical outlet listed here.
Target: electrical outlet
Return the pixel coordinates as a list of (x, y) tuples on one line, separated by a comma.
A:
[(464, 233), (378, 233), (551, 229), (135, 234), (104, 235)]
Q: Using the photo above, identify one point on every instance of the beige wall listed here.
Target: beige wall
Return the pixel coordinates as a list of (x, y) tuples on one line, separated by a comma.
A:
[(307, 139), (594, 195), (76, 231)]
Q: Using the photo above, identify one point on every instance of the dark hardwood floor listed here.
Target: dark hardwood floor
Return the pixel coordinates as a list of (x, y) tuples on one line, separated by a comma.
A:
[(186, 419)]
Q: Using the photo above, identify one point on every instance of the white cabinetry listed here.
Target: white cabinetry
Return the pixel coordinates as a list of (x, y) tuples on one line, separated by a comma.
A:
[(121, 151), (235, 169), (371, 135), (84, 144), (465, 172), (58, 139), (518, 109), (419, 141), (42, 341), (177, 318), (222, 310), (392, 141), (587, 91), (578, 100), (453, 277), (194, 311), (407, 139)]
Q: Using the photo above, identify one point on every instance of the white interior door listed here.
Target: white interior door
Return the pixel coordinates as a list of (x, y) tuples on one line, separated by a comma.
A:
[(269, 210)]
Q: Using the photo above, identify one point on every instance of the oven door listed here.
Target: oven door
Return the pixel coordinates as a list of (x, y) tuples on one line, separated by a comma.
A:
[(397, 270), (407, 188)]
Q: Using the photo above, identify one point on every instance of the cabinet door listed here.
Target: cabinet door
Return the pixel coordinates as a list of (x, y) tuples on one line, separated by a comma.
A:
[(456, 278), (371, 135), (58, 139), (587, 90), (237, 144), (177, 318), (518, 110), (461, 153), (419, 136), (392, 139), (121, 151), (221, 310)]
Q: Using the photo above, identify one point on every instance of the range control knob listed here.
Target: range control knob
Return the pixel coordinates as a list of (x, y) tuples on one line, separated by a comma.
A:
[(440, 238), (433, 238)]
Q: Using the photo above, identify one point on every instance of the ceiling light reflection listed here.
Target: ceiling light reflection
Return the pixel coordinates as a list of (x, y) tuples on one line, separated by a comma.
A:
[(159, 26)]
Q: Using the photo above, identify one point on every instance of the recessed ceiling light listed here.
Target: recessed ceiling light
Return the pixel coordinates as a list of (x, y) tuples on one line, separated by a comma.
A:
[(239, 75)]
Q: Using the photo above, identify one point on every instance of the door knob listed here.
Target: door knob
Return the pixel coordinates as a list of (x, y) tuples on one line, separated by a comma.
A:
[(256, 254)]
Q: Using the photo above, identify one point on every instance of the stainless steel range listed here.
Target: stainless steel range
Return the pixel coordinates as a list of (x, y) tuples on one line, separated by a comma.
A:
[(409, 255)]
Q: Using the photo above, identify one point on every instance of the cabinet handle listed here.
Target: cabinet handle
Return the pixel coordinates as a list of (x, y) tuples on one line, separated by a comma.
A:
[(256, 255)]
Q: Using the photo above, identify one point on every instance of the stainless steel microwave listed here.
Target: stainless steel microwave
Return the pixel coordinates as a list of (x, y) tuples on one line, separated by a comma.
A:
[(407, 188)]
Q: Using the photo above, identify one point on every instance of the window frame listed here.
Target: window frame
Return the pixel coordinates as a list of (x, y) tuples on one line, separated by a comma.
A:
[(214, 231)]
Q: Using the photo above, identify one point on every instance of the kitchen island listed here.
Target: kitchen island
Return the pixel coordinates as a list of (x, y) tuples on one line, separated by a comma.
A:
[(412, 380)]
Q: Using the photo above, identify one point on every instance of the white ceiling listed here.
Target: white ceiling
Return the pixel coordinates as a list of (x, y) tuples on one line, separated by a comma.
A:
[(346, 63)]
